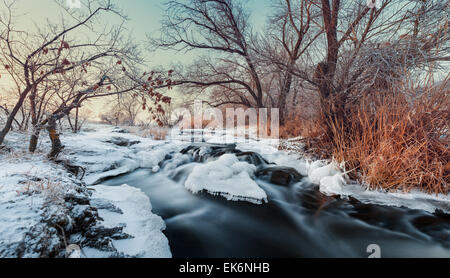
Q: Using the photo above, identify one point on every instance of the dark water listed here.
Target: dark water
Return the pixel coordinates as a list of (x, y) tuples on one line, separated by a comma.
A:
[(298, 221)]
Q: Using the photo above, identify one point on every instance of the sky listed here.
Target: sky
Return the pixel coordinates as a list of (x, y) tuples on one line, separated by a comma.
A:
[(144, 18)]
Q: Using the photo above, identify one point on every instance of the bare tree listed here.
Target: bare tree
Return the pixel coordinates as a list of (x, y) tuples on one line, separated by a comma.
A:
[(79, 119), (33, 58), (59, 70), (290, 33), (372, 51), (221, 26), (350, 48)]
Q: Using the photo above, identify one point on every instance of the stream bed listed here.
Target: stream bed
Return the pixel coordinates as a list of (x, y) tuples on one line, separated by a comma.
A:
[(297, 221)]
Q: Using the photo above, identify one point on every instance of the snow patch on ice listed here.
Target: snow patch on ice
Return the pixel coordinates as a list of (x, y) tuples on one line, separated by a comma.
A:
[(145, 227), (321, 169), (151, 158), (332, 181), (227, 177)]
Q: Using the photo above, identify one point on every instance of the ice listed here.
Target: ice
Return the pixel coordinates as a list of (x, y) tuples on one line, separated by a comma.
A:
[(21, 173), (128, 165), (332, 184), (96, 152), (336, 185), (146, 228), (151, 158), (227, 177), (332, 181), (321, 169), (177, 160)]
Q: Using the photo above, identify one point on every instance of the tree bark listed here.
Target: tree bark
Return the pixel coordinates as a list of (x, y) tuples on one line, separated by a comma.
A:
[(57, 146), (34, 121), (34, 140), (76, 119), (13, 114), (287, 84)]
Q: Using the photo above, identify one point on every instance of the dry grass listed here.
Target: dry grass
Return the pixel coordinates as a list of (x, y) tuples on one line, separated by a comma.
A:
[(155, 132), (298, 126), (54, 191), (394, 144), (293, 127)]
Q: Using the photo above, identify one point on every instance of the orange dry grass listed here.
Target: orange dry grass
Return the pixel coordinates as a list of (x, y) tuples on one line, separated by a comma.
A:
[(399, 145), (296, 126)]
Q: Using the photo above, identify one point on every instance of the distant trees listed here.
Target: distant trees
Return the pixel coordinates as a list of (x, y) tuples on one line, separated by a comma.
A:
[(291, 32), (122, 110), (78, 118), (335, 51), (55, 69), (220, 27)]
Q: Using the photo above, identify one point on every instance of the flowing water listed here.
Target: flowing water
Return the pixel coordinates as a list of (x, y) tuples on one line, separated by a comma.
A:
[(297, 221)]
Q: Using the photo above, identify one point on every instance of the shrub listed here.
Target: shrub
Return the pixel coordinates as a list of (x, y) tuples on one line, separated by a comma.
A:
[(396, 142)]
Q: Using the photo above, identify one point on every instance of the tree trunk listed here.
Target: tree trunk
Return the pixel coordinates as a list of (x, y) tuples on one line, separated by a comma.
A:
[(34, 121), (284, 93), (76, 120), (13, 114), (57, 146), (34, 140)]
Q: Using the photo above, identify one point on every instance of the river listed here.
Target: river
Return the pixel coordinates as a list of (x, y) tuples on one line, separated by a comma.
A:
[(298, 221)]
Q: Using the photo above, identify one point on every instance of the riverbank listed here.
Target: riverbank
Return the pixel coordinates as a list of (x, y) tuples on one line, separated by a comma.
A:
[(46, 207), (49, 209)]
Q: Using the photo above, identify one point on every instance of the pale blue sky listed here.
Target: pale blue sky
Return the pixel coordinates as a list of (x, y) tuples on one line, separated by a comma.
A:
[(144, 18)]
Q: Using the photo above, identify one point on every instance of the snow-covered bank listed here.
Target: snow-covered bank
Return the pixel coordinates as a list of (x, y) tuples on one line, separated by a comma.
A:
[(131, 208), (45, 208), (331, 180), (107, 152)]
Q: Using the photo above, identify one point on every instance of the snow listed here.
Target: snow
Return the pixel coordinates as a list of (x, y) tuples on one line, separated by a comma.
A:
[(227, 177), (329, 176), (28, 181), (33, 189), (102, 159), (151, 158), (146, 228), (332, 181), (337, 185), (319, 170)]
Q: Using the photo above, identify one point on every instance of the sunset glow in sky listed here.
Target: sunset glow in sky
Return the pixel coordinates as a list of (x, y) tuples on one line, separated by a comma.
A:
[(144, 18)]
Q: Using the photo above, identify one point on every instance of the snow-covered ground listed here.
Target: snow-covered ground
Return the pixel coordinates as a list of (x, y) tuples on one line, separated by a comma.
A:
[(134, 211), (332, 180), (44, 208), (33, 189)]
